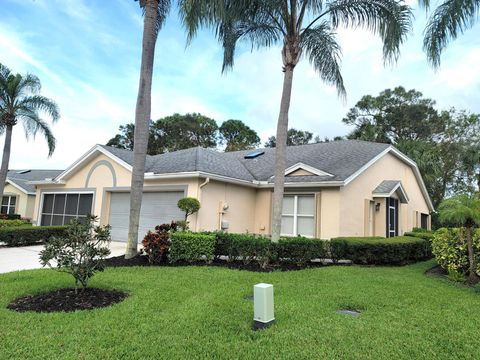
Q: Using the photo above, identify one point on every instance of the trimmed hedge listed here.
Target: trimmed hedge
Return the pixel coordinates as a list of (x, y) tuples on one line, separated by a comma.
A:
[(299, 250), (248, 248), (302, 250), (426, 235), (30, 235), (398, 250), (191, 247), (13, 223)]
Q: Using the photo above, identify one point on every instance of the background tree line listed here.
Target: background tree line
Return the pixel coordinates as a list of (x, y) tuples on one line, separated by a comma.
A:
[(177, 132), (445, 144)]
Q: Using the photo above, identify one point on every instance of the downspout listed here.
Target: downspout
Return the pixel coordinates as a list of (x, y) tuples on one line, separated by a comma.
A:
[(207, 180)]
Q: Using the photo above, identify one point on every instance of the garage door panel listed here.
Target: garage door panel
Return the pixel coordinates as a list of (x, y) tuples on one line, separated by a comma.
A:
[(157, 208)]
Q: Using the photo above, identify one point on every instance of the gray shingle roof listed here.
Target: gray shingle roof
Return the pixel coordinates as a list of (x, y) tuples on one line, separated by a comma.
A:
[(22, 177), (339, 158), (386, 187)]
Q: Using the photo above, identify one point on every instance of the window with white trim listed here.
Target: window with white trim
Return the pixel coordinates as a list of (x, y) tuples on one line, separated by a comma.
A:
[(8, 204), (298, 215), (61, 208)]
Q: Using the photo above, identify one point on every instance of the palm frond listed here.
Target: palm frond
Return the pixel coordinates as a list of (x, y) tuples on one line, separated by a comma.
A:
[(39, 103), (460, 209), (259, 34), (232, 20), (449, 20), (390, 19), (33, 124), (322, 49)]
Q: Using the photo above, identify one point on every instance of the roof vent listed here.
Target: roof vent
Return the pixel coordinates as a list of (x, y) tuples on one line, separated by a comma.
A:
[(23, 171), (254, 154)]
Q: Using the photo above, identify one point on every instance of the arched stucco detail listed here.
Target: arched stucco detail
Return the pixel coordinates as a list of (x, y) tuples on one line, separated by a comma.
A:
[(98, 164)]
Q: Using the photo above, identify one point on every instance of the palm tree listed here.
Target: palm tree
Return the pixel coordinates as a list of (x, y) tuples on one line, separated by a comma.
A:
[(449, 20), (155, 12), (464, 210), (20, 101), (303, 28)]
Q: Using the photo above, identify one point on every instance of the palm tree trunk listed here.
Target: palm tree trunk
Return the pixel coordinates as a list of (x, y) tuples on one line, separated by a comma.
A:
[(472, 275), (280, 154), (5, 158), (142, 119)]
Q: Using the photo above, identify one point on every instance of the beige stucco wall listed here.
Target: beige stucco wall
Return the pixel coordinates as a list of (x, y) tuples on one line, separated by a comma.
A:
[(352, 198), (240, 200), (25, 203)]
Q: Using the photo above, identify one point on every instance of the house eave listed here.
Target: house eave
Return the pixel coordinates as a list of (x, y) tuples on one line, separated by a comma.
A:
[(15, 185)]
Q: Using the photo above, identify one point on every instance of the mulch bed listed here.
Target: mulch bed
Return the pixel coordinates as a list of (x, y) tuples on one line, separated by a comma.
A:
[(437, 271), (67, 301), (142, 260)]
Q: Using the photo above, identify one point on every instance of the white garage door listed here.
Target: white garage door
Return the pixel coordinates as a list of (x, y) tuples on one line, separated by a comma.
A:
[(157, 208)]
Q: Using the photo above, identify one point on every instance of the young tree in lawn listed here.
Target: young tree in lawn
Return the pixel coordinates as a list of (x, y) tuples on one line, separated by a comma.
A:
[(155, 12), (20, 101), (301, 27), (450, 19), (238, 136), (464, 210)]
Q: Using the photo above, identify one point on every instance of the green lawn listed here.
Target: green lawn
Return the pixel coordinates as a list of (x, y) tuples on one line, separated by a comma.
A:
[(200, 312)]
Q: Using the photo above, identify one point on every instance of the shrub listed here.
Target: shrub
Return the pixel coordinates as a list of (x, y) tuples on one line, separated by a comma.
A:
[(245, 247), (13, 223), (156, 244), (191, 247), (421, 230), (380, 251), (189, 206), (450, 250), (10, 217), (301, 250), (426, 235), (30, 235), (81, 252)]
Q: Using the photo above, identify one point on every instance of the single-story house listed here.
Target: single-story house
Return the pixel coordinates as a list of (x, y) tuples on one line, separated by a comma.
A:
[(19, 194), (341, 188)]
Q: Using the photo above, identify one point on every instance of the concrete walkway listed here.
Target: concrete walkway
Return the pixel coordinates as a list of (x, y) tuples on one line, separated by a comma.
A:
[(26, 257)]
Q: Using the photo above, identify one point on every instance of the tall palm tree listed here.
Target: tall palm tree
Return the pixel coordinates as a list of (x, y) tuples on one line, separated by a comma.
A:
[(303, 28), (464, 210), (20, 101), (449, 20), (155, 12)]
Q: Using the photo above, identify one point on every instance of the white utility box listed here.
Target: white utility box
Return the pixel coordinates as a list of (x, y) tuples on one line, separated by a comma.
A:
[(263, 313)]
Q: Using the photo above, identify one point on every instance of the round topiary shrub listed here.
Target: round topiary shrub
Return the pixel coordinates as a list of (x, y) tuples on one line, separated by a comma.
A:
[(188, 205)]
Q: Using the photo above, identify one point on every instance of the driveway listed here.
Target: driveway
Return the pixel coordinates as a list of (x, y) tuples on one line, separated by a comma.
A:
[(26, 257)]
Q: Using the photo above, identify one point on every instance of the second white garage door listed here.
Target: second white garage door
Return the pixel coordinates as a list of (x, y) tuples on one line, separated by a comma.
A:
[(157, 208)]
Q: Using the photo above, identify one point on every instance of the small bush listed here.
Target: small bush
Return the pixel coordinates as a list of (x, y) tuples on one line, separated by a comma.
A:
[(380, 251), (451, 251), (13, 223), (192, 247), (156, 244), (30, 235), (301, 250), (81, 252), (10, 217)]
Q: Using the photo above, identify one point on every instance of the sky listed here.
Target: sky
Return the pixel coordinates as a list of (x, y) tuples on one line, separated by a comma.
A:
[(87, 56)]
